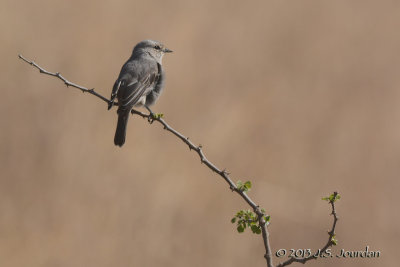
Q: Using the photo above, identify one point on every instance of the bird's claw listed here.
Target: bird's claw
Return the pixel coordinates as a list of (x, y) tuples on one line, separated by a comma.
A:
[(151, 117), (154, 116)]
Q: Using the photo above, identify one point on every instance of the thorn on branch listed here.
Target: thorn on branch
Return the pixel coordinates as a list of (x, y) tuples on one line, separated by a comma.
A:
[(187, 140), (225, 172)]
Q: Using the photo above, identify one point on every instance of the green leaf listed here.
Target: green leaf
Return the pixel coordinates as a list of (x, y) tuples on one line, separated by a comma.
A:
[(332, 198), (334, 240), (233, 220), (244, 187), (256, 229), (158, 115), (240, 228), (247, 184)]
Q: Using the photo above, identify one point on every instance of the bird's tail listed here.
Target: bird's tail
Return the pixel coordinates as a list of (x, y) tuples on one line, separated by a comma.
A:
[(120, 133)]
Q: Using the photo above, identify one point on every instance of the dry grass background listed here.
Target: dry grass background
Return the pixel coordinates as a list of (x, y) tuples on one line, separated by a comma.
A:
[(301, 97)]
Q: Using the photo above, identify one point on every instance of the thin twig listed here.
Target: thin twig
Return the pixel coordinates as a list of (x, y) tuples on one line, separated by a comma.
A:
[(328, 244), (66, 82)]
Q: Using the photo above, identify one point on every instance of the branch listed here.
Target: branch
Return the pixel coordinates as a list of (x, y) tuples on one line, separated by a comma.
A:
[(221, 172), (66, 82), (331, 240), (224, 174), (151, 118)]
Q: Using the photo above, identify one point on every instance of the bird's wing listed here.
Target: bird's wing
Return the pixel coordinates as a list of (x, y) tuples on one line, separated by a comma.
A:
[(130, 90)]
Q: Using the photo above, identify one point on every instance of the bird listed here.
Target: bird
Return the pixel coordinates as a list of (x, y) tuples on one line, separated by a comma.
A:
[(139, 83)]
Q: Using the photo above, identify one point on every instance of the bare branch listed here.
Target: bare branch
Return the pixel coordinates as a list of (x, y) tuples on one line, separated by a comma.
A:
[(66, 82), (331, 240)]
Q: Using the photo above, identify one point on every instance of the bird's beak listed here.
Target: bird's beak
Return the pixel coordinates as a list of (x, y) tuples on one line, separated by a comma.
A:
[(166, 50)]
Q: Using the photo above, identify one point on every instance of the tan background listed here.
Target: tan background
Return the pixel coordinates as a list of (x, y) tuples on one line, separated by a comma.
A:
[(300, 97)]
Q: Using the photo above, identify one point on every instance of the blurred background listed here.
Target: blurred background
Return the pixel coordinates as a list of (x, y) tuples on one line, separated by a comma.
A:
[(300, 97)]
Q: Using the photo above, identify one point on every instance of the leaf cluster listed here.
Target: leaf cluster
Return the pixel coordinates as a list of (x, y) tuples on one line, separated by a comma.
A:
[(244, 187), (247, 218), (332, 198)]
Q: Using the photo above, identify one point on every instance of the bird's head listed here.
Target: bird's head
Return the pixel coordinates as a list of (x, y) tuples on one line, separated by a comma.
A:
[(154, 48)]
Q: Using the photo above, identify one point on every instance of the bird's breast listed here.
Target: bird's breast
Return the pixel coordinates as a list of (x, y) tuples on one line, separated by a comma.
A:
[(141, 102)]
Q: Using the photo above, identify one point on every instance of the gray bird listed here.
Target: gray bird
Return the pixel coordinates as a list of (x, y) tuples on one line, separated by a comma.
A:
[(139, 83)]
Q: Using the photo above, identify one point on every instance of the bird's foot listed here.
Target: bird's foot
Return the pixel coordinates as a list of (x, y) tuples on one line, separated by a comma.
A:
[(154, 116)]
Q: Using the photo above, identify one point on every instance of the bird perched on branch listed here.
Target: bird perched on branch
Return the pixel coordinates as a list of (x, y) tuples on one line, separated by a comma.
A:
[(139, 83)]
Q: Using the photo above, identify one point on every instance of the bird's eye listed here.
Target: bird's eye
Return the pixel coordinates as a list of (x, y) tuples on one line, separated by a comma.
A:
[(157, 47)]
